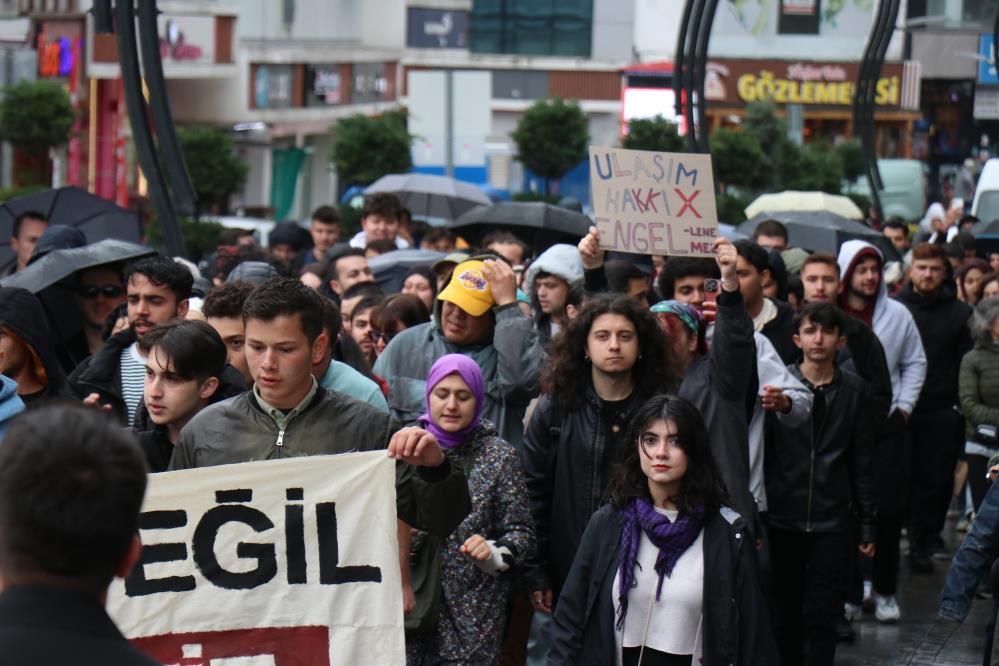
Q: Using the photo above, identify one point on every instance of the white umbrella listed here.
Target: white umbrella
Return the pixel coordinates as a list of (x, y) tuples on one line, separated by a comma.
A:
[(798, 202), (431, 196)]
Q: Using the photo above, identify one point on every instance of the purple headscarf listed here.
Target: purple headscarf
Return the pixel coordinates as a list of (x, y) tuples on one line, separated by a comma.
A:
[(469, 371)]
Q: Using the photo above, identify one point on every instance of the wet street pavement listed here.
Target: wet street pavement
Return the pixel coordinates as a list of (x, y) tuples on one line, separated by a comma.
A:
[(920, 638)]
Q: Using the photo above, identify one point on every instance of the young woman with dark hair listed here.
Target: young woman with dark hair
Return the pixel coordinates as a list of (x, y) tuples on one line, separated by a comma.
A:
[(666, 573), (606, 362)]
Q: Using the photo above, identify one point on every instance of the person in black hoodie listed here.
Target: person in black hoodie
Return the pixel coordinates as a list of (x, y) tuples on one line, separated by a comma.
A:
[(608, 361), (186, 371), (773, 318), (29, 356), (937, 428), (157, 290), (816, 474)]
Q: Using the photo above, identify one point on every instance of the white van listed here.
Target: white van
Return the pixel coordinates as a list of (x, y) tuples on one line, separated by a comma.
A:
[(986, 204)]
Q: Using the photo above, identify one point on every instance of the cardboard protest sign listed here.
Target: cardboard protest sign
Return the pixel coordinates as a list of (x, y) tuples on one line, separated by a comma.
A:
[(653, 203), (280, 562)]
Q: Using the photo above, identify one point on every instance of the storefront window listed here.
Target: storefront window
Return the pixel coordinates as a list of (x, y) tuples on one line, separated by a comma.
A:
[(532, 27)]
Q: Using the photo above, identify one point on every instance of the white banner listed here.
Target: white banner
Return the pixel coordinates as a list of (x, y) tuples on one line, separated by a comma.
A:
[(279, 563)]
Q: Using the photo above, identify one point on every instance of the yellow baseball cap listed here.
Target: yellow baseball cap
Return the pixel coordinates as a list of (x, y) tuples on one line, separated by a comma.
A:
[(469, 289)]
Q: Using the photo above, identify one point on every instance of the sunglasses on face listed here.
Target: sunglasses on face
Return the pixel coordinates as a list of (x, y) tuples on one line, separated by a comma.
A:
[(107, 290), (377, 335)]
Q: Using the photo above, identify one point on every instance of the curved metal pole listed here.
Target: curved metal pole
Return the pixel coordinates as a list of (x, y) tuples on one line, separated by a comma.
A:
[(701, 72), (860, 104), (678, 61), (144, 147), (887, 31), (688, 75), (152, 66)]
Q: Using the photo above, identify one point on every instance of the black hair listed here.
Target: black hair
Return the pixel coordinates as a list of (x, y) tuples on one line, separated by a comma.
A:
[(796, 287), (332, 320), (195, 349), (425, 273), (385, 204), (381, 246), (575, 296), (365, 304), (69, 495), (227, 300), (679, 268), (506, 238), (896, 223), (335, 259), (163, 272), (287, 297), (231, 236), (362, 289), (754, 254), (702, 485), (822, 313), (620, 272), (566, 375), (326, 215), (771, 228), (965, 240), (954, 251), (435, 234), (26, 215)]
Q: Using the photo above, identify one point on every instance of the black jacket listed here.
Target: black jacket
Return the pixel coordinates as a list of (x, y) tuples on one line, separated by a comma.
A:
[(865, 357), (722, 385), (818, 472), (46, 626), (736, 622), (567, 460), (101, 374), (22, 313), (780, 331), (942, 321), (154, 440)]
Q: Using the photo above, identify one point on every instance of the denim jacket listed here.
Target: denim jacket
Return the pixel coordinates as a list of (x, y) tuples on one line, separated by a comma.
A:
[(972, 560)]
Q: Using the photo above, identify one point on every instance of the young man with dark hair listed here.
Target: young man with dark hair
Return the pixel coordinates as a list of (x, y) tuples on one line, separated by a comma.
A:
[(376, 248), (819, 485), (865, 356), (287, 413), (774, 319), (937, 427), (325, 231), (771, 235), (508, 246), (380, 220), (70, 498), (28, 228), (157, 290), (354, 295), (223, 310), (476, 315), (185, 363), (438, 239), (27, 347), (624, 277), (337, 376), (99, 291), (682, 278), (361, 325), (347, 267)]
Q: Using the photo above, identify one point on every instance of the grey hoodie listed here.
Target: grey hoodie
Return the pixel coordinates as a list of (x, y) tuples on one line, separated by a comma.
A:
[(896, 329)]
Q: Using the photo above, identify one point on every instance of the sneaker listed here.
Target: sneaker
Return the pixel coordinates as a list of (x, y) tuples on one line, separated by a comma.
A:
[(868, 603), (964, 524), (886, 608), (853, 612)]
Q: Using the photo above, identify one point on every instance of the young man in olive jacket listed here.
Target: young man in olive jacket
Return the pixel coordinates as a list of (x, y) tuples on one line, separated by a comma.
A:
[(288, 414), (818, 474)]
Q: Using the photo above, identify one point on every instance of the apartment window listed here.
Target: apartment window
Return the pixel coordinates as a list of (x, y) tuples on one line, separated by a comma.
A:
[(532, 27)]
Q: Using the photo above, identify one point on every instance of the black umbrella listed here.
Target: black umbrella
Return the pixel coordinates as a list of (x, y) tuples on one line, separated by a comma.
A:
[(390, 268), (538, 224), (820, 231), (47, 278), (97, 218)]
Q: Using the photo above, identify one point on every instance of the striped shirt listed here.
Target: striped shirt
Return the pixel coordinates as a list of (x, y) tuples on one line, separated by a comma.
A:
[(133, 377)]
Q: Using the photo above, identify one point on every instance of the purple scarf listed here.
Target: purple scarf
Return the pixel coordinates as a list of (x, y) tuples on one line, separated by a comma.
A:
[(672, 540), (469, 371)]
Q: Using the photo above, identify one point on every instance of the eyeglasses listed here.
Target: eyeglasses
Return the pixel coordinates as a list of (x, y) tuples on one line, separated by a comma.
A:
[(377, 335), (107, 290)]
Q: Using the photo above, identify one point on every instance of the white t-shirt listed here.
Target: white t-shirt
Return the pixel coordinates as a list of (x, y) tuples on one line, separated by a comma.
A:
[(133, 377), (675, 625)]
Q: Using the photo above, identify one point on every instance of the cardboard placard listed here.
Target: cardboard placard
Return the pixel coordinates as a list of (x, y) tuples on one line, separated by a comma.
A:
[(654, 203)]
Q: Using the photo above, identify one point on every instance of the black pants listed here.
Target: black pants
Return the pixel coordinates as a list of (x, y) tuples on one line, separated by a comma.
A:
[(809, 582), (890, 464), (978, 467), (937, 439)]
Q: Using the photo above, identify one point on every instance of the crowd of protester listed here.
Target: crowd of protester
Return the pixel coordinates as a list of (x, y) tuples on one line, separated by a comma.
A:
[(651, 461)]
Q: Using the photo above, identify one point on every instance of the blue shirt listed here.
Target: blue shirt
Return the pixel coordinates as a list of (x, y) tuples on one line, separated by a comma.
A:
[(342, 378)]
